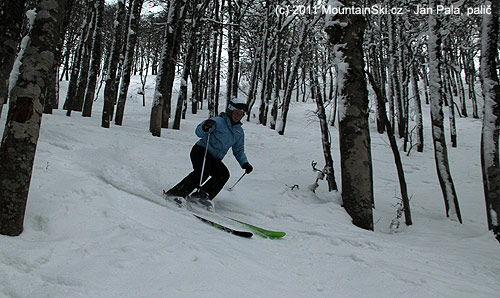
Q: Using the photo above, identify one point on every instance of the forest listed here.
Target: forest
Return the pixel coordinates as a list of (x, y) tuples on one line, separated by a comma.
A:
[(387, 65)]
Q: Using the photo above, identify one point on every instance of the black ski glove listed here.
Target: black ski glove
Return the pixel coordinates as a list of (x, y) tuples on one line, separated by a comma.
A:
[(207, 125), (248, 168)]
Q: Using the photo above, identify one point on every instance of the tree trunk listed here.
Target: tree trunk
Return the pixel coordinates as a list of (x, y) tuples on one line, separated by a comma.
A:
[(75, 70), (297, 60), (83, 75), (110, 88), (52, 97), (277, 77), (254, 81), (236, 49), (182, 98), (438, 132), (325, 135), (95, 61), (395, 151), (135, 17), (160, 111), (491, 118), (418, 109), (22, 128), (345, 33), (11, 14), (265, 74)]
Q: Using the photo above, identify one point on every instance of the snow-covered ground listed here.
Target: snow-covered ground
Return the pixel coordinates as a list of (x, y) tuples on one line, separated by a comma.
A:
[(96, 224)]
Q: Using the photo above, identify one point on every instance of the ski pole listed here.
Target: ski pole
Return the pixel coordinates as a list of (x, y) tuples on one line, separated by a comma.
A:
[(204, 160), (231, 188)]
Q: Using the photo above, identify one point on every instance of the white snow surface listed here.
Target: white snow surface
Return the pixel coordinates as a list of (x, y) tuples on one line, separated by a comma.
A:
[(96, 224)]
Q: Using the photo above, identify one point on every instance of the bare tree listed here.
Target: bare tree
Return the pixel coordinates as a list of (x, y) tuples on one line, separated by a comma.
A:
[(110, 88), (325, 133), (11, 14), (345, 33), (438, 132), (135, 17), (17, 151), (491, 118), (95, 61), (160, 111)]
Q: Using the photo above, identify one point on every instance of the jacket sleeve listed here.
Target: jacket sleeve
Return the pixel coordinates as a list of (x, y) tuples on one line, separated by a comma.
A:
[(239, 149)]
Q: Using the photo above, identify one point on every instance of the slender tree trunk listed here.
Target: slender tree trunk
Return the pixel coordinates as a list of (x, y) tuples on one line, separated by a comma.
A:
[(52, 96), (160, 112), (418, 109), (219, 59), (395, 151), (490, 163), (128, 61), (83, 75), (75, 70), (461, 92), (95, 61), (254, 81), (195, 77), (325, 135), (110, 88), (438, 132), (426, 85), (297, 60), (22, 128), (230, 52), (376, 68), (236, 49), (182, 98), (266, 53), (277, 77)]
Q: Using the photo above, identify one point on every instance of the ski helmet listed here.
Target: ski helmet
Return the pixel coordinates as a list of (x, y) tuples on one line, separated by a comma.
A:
[(238, 104)]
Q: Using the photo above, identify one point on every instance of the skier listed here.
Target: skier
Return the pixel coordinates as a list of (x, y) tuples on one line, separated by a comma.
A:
[(216, 134)]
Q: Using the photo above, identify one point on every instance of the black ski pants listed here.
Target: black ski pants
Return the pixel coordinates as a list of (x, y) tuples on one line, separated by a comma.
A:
[(214, 168)]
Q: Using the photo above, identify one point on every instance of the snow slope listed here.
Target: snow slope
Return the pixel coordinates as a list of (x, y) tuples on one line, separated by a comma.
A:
[(97, 226)]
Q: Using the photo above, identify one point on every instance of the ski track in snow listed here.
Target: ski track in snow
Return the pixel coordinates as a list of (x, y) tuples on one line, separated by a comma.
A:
[(96, 224)]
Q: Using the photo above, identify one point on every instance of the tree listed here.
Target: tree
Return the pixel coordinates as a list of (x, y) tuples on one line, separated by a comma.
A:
[(110, 88), (11, 14), (345, 33), (83, 71), (292, 76), (135, 16), (70, 101), (395, 151), (491, 118), (22, 128), (325, 133), (160, 111), (95, 61), (438, 132)]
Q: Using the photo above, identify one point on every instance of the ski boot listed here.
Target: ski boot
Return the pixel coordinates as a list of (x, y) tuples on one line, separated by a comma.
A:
[(178, 200), (202, 199)]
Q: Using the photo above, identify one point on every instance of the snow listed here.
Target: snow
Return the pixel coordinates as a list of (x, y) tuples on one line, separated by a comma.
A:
[(97, 226)]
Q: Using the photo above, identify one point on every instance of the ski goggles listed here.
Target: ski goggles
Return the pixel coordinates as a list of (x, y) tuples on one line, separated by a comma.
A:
[(239, 106)]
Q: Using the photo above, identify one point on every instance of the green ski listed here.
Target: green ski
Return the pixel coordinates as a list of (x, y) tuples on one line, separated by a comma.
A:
[(244, 234), (263, 232)]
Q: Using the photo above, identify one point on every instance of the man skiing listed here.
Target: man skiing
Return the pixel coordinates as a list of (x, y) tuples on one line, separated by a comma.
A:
[(217, 135)]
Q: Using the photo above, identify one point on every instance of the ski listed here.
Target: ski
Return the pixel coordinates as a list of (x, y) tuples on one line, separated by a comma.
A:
[(244, 234), (261, 231), (181, 203)]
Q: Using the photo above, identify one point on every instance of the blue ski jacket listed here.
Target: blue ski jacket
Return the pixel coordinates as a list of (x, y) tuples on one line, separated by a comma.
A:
[(223, 135)]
